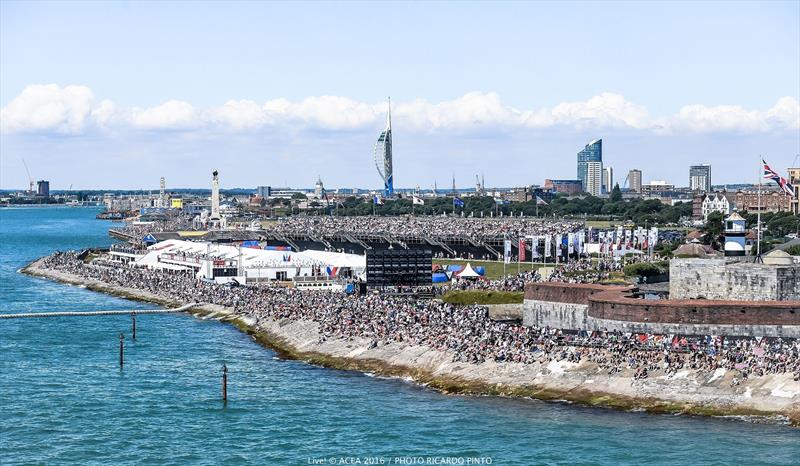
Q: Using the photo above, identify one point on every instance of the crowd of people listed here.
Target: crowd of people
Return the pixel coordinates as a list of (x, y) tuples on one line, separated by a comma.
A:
[(466, 332), (477, 229)]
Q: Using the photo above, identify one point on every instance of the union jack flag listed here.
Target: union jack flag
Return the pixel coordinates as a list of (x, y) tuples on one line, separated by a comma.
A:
[(771, 174)]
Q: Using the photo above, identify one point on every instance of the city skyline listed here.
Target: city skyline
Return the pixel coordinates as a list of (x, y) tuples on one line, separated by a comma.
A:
[(266, 107)]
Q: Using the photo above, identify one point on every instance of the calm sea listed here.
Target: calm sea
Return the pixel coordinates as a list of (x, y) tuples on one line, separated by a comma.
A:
[(63, 398)]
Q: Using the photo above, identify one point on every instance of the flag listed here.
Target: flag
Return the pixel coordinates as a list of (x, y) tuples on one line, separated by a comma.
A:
[(458, 202), (774, 176), (377, 200), (522, 246), (540, 201), (417, 201)]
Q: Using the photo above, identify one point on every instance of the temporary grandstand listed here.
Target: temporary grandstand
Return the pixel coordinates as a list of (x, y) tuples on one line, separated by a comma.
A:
[(248, 263)]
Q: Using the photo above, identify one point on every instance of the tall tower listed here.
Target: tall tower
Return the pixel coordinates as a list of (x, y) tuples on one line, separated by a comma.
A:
[(608, 179), (700, 178), (382, 153), (162, 202), (593, 152), (635, 180), (214, 196)]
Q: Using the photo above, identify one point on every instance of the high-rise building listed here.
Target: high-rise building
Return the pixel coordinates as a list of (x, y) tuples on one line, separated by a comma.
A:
[(382, 154), (43, 188), (794, 179), (593, 152), (635, 180), (700, 178), (594, 178), (263, 191), (608, 180)]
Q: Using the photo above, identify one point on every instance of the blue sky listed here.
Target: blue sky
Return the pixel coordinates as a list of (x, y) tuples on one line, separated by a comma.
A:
[(276, 93)]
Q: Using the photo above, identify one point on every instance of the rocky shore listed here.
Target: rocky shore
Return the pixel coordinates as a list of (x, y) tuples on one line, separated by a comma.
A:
[(691, 392)]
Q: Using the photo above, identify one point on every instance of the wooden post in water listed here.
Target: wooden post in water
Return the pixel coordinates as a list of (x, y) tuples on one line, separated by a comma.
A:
[(121, 350), (224, 382), (133, 316)]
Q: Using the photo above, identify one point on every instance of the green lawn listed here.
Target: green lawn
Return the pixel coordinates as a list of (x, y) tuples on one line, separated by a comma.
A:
[(494, 269), (483, 297)]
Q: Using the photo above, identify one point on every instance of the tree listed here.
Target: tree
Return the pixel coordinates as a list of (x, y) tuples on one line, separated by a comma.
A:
[(616, 194), (713, 229)]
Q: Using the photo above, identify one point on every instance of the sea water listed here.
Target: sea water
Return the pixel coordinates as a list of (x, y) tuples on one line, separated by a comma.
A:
[(64, 399)]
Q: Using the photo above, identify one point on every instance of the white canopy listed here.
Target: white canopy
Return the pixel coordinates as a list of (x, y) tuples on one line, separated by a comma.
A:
[(468, 272)]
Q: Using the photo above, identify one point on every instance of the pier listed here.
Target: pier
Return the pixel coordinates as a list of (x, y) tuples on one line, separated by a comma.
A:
[(96, 313)]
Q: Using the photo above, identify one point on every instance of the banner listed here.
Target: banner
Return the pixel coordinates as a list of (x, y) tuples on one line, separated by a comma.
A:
[(507, 251), (558, 245), (570, 243), (547, 241), (581, 240), (522, 251)]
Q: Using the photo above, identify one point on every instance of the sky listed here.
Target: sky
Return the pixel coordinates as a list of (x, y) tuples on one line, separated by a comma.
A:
[(103, 95)]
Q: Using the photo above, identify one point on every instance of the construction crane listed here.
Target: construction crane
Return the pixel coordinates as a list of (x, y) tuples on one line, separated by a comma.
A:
[(30, 178)]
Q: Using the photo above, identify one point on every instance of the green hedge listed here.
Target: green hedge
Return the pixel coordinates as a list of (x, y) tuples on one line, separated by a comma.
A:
[(483, 297), (645, 269)]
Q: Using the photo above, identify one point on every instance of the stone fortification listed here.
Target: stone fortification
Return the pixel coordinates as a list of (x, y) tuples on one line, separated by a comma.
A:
[(722, 279)]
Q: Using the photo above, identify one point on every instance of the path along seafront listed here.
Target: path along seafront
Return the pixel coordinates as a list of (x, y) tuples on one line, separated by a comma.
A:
[(167, 397)]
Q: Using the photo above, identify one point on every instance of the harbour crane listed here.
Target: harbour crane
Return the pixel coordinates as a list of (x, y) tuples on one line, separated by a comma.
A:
[(30, 178)]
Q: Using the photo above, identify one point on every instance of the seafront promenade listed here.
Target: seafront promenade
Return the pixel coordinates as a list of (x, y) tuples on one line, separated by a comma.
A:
[(463, 351)]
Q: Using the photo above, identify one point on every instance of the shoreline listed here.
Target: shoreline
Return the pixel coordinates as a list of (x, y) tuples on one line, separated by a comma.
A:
[(776, 397)]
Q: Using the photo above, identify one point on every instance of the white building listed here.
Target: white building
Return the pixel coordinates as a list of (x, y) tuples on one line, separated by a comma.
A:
[(715, 203), (594, 178), (224, 263), (608, 179)]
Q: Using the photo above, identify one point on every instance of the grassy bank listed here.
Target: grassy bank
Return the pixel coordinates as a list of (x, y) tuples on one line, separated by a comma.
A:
[(483, 297)]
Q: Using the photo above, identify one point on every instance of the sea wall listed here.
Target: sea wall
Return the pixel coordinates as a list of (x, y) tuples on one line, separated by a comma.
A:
[(598, 307), (688, 391)]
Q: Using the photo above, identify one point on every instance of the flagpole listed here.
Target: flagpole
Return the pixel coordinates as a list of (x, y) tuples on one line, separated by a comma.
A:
[(758, 221)]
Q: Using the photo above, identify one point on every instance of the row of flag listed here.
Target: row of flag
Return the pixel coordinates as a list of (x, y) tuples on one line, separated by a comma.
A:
[(575, 243), (457, 201)]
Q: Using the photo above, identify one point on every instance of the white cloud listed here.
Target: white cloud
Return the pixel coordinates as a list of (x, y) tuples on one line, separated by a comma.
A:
[(172, 114), (73, 110), (48, 108)]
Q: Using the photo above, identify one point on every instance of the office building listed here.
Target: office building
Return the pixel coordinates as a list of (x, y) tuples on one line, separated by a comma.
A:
[(657, 187), (593, 152), (264, 191), (635, 180), (43, 188), (564, 186), (700, 178), (608, 180), (594, 178)]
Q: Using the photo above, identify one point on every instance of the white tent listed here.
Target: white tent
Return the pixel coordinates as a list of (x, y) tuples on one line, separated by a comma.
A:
[(468, 272)]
